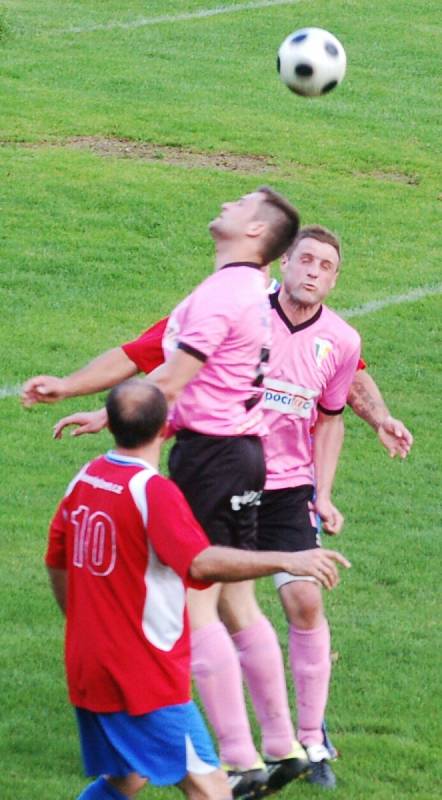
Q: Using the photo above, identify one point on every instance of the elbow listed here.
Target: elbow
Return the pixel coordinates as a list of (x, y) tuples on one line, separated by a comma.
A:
[(200, 568)]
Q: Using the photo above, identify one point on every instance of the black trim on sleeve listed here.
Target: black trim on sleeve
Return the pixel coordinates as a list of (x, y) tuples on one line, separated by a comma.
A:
[(192, 351), (330, 413)]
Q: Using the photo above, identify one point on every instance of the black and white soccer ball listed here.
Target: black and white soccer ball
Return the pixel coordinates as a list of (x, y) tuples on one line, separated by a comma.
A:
[(311, 62)]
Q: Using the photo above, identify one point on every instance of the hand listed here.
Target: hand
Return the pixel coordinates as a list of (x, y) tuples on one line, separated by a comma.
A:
[(43, 389), (331, 517), (395, 437), (319, 564), (87, 421)]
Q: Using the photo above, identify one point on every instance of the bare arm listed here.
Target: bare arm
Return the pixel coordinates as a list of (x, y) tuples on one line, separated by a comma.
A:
[(105, 371), (172, 376), (366, 399), (367, 402), (327, 444), (229, 564), (58, 579)]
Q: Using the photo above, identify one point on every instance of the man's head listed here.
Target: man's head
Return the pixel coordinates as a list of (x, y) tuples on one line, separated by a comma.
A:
[(264, 220), (137, 412), (310, 266)]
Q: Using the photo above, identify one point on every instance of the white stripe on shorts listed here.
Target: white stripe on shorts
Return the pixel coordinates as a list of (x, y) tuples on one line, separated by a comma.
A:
[(281, 578), (194, 763)]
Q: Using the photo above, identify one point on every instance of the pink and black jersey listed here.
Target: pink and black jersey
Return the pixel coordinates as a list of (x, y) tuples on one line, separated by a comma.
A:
[(225, 323), (312, 366), (126, 537)]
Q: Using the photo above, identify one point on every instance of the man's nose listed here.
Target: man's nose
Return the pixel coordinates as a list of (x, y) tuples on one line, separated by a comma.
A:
[(313, 268)]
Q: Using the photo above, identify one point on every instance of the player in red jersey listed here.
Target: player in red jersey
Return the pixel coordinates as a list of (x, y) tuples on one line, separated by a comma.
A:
[(122, 549)]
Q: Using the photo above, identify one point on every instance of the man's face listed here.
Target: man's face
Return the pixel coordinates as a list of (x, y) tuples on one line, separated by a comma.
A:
[(237, 218), (311, 271)]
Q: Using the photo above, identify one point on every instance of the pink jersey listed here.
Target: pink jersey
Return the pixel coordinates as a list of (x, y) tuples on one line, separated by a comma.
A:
[(225, 323), (126, 537), (312, 366)]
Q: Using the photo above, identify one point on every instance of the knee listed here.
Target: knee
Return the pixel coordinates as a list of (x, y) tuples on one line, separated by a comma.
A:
[(303, 605)]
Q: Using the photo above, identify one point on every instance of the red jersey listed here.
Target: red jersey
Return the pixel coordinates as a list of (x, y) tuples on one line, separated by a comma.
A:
[(127, 538), (147, 350)]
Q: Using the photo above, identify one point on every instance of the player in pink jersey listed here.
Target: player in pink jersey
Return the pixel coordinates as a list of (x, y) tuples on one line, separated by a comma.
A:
[(123, 547), (217, 461), (314, 358)]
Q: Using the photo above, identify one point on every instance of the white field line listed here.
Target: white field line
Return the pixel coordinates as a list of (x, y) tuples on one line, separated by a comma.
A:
[(358, 311), (9, 391), (392, 300), (203, 13)]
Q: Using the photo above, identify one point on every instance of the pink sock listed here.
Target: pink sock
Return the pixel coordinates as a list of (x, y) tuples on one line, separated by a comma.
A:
[(218, 677), (263, 669), (311, 666)]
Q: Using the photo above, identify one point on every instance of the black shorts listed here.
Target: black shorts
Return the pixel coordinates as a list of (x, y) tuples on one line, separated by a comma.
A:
[(287, 521), (222, 478)]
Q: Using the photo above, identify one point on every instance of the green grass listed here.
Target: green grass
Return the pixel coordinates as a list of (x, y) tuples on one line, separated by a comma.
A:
[(94, 249)]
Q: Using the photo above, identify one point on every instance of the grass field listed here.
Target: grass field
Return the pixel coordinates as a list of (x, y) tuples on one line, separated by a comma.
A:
[(121, 132)]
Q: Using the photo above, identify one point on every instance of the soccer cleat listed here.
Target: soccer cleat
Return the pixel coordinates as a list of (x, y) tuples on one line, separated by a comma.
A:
[(283, 770), (248, 784), (321, 773)]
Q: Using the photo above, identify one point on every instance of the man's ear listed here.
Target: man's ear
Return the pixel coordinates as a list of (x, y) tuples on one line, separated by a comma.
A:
[(284, 260), (256, 228)]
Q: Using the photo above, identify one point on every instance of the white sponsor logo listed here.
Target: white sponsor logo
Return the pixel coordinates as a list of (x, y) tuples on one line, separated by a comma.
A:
[(288, 398), (101, 483), (246, 499)]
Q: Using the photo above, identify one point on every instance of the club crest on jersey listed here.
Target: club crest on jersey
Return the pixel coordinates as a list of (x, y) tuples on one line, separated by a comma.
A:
[(322, 348), (289, 399)]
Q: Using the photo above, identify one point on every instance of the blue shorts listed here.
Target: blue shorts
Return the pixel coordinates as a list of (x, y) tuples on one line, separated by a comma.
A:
[(162, 746)]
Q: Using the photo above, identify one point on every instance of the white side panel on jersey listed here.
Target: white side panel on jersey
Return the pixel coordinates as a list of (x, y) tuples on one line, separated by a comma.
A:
[(163, 613), (163, 617), (75, 480)]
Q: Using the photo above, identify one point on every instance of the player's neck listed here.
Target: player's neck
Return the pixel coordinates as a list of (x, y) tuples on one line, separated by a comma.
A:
[(149, 452), (233, 252), (296, 312)]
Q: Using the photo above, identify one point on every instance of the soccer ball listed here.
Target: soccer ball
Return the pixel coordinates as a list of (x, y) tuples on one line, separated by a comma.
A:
[(311, 62)]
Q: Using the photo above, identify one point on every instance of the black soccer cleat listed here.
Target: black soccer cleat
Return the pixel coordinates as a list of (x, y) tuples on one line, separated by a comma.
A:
[(281, 771), (248, 784), (321, 773)]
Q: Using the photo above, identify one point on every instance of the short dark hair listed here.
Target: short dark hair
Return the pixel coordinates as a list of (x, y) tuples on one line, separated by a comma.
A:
[(319, 233), (137, 410), (284, 222)]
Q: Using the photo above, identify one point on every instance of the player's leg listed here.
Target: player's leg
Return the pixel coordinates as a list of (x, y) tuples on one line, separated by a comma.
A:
[(309, 653), (262, 664), (288, 520), (220, 476), (214, 786), (107, 788), (217, 674), (263, 669)]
